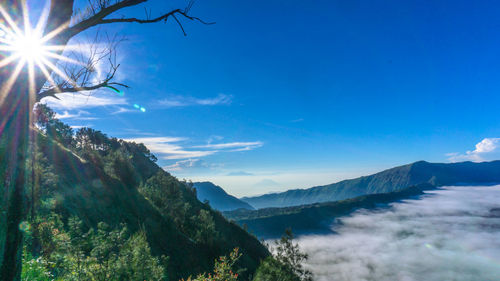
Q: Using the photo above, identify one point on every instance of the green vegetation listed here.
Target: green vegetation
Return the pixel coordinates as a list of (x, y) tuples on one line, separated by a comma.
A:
[(68, 252), (101, 209), (271, 222), (223, 269), (286, 264), (394, 179)]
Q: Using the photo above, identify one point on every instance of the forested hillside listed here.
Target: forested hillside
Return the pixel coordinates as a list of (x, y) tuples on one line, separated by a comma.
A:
[(100, 205), (437, 174)]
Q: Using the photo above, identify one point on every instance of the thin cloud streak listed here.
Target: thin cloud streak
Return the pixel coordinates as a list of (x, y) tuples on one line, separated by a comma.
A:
[(67, 115), (83, 100), (174, 148), (235, 145), (169, 149), (182, 101)]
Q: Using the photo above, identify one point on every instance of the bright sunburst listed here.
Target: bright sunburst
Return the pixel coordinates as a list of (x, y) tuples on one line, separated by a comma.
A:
[(28, 46)]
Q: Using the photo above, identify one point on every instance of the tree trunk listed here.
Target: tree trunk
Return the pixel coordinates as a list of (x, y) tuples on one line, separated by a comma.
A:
[(16, 106), (14, 134)]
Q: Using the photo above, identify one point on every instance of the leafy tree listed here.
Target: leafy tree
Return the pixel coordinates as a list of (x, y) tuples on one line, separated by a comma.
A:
[(74, 254), (118, 165), (136, 263), (286, 265), (271, 269), (223, 269), (206, 233), (35, 269)]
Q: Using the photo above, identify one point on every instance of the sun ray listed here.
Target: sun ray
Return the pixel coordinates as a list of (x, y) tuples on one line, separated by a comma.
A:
[(8, 60), (5, 88), (63, 58), (47, 75), (10, 21), (58, 72), (43, 18), (26, 19), (30, 48)]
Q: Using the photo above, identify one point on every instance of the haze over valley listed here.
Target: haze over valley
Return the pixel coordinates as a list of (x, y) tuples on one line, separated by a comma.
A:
[(448, 234)]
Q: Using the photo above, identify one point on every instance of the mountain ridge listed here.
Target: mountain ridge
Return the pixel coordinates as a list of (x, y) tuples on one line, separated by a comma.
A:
[(388, 180), (317, 218), (218, 198)]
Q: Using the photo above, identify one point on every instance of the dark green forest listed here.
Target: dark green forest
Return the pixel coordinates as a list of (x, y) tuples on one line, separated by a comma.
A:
[(100, 208)]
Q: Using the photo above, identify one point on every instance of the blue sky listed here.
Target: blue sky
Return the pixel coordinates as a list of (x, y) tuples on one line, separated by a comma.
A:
[(291, 94)]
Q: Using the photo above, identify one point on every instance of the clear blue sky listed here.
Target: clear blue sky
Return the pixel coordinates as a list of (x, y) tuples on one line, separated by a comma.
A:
[(290, 94)]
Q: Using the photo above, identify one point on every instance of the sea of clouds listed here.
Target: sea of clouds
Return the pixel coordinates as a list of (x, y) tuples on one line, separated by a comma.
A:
[(449, 234)]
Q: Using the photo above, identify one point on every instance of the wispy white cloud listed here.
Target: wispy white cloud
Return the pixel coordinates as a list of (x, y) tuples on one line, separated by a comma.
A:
[(188, 156), (169, 148), (84, 100), (487, 149), (191, 164), (78, 115), (185, 164), (124, 110), (76, 127), (234, 146), (181, 101), (239, 173)]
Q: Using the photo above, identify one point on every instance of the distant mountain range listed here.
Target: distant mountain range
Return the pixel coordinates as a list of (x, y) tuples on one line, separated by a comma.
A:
[(398, 178), (218, 198), (270, 223)]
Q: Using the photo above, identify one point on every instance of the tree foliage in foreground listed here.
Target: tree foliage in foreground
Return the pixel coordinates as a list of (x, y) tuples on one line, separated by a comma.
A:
[(286, 264), (71, 253), (223, 269)]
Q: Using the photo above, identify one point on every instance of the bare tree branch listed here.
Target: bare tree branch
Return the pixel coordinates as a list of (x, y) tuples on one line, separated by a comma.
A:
[(82, 73), (82, 76), (105, 11), (99, 17)]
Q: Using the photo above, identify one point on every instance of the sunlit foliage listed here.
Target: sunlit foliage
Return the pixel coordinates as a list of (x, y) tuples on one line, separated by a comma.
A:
[(223, 269)]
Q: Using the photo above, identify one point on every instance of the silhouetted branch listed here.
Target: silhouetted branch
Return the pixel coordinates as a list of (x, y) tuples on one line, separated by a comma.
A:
[(98, 18), (82, 76), (83, 73), (105, 9)]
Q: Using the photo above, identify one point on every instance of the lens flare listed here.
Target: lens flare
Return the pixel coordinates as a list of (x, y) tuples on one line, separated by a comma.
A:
[(24, 226), (139, 107), (28, 46)]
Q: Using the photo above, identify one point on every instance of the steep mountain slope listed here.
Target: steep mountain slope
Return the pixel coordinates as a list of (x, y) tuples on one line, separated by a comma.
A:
[(88, 189), (315, 218), (218, 198), (390, 180)]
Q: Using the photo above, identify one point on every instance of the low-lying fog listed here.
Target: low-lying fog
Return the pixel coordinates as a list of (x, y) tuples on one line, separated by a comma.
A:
[(450, 234)]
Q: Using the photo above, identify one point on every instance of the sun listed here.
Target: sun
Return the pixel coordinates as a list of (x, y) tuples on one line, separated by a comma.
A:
[(24, 45), (27, 46)]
